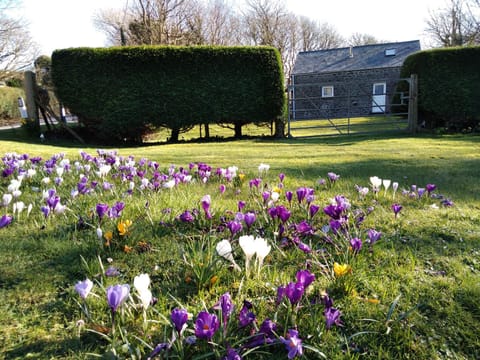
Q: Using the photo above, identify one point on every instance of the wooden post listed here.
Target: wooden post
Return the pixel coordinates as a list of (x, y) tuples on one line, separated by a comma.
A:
[(413, 104), (30, 85)]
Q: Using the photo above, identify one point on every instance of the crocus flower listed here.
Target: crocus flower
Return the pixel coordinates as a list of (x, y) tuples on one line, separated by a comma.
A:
[(116, 295), (234, 227), (112, 271), (206, 200), (430, 188), (101, 210), (141, 284), (356, 244), (224, 249), (386, 184), (83, 288), (304, 228), (281, 176), (246, 316), (249, 218), (265, 335), (289, 196), (341, 269), (373, 236), (226, 306), (232, 354), (376, 182), (222, 188), (247, 244), (206, 325), (179, 318), (262, 250), (263, 168), (6, 199), (396, 209), (301, 193), (186, 216), (292, 343), (158, 349), (305, 278), (283, 213), (332, 317), (5, 220), (294, 292), (333, 177)]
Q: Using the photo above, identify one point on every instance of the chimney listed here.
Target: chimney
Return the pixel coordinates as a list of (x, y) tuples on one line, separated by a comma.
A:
[(350, 52)]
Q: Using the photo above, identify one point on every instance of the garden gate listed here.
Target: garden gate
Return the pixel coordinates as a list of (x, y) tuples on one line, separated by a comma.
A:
[(354, 107)]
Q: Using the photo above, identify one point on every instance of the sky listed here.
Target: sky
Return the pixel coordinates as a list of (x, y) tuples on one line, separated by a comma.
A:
[(57, 24)]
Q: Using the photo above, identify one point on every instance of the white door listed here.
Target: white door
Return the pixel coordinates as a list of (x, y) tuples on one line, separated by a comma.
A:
[(379, 97)]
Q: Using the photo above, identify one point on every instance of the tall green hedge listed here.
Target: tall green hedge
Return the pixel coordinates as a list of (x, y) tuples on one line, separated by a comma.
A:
[(126, 92), (449, 86)]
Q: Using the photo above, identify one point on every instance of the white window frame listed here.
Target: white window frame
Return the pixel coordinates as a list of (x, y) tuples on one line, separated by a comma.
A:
[(325, 91)]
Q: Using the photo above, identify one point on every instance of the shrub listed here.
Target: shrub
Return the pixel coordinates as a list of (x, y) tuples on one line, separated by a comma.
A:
[(128, 92), (9, 103), (449, 84)]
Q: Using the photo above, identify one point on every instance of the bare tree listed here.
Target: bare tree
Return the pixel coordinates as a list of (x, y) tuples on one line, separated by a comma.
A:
[(221, 25), (454, 25), (358, 39), (17, 50)]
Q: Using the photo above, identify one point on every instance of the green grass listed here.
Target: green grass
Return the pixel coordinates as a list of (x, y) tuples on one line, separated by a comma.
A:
[(430, 257)]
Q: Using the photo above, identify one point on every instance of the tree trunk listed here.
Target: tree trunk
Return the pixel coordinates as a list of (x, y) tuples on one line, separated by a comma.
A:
[(174, 135), (279, 128), (238, 130), (207, 131)]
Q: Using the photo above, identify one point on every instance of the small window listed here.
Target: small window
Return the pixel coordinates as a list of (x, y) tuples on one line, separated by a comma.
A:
[(327, 91), (390, 52)]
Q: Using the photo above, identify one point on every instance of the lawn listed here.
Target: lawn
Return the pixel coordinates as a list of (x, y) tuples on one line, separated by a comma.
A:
[(411, 294)]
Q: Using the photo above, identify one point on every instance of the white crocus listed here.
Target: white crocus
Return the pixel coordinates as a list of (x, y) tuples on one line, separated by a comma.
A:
[(14, 185), (18, 207), (45, 181), (263, 168), (247, 243), (7, 199), (169, 184), (262, 250), (224, 249), (29, 209), (394, 188), (275, 196), (386, 184), (376, 183), (141, 284), (99, 234)]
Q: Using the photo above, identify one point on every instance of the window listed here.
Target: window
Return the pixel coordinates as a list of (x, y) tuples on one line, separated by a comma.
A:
[(327, 91), (390, 52)]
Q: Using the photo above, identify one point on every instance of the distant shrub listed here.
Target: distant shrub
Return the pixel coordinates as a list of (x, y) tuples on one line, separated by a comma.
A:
[(448, 85), (128, 92), (9, 103)]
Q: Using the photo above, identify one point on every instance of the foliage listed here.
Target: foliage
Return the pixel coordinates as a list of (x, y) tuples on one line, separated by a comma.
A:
[(137, 89), (9, 102), (448, 85), (410, 293)]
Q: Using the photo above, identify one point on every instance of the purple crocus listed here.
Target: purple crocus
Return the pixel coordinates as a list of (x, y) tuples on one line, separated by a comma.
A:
[(281, 176), (232, 354), (289, 196), (246, 316), (356, 244), (83, 288), (332, 317), (294, 292), (249, 219), (241, 204), (430, 188), (373, 236), (206, 325), (265, 335), (234, 227), (305, 278), (292, 343), (179, 318), (313, 209), (101, 210), (283, 213), (333, 177), (186, 216), (116, 210), (226, 306), (116, 295), (158, 349), (5, 220), (396, 209), (304, 228), (301, 193), (222, 188), (206, 200), (112, 271)]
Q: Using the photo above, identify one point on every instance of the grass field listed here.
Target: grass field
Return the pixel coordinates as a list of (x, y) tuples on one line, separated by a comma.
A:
[(411, 295)]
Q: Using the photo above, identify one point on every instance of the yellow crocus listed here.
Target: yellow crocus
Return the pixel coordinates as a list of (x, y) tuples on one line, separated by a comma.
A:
[(123, 227), (341, 269)]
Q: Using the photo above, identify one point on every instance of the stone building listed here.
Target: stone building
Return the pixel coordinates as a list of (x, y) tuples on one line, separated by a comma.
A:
[(348, 82)]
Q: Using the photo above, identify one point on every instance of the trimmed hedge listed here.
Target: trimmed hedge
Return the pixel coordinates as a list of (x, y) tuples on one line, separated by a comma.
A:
[(127, 92), (448, 86)]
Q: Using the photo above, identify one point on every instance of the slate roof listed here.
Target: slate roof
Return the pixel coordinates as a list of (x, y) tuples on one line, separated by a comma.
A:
[(363, 57)]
